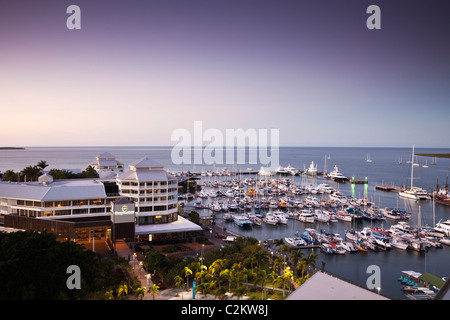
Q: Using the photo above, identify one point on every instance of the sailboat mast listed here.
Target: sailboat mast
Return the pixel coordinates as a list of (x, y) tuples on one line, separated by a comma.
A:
[(412, 167)]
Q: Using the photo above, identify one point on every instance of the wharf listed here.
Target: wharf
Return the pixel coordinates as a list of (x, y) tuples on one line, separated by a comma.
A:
[(359, 181), (389, 188)]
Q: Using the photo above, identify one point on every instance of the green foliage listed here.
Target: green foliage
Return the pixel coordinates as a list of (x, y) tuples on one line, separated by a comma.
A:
[(32, 173), (34, 265)]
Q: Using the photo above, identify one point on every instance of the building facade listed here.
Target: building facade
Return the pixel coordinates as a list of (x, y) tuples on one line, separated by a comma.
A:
[(83, 208)]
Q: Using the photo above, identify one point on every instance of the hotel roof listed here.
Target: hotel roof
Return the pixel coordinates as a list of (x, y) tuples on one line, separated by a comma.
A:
[(73, 189), (145, 162), (322, 286)]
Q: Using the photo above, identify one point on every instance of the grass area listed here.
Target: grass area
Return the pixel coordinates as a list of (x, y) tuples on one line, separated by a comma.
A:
[(436, 155)]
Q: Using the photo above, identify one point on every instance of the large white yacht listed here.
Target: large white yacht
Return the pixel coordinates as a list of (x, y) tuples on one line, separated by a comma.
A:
[(336, 175), (312, 170)]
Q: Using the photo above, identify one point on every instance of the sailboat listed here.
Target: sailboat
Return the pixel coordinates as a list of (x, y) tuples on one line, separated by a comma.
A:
[(415, 193), (425, 165), (368, 158)]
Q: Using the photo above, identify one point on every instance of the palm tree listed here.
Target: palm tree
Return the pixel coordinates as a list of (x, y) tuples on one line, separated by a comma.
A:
[(140, 293), (179, 284), (153, 289), (246, 274), (239, 292), (203, 288), (187, 273), (262, 276), (122, 290), (278, 242), (108, 295)]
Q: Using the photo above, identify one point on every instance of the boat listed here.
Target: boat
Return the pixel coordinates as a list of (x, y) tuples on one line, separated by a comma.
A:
[(445, 241), (399, 244), (415, 193), (338, 249), (368, 158), (337, 176), (295, 241), (321, 216), (227, 217), (359, 246), (312, 170), (443, 226), (343, 216), (242, 221), (270, 219), (306, 216), (327, 248), (280, 217)]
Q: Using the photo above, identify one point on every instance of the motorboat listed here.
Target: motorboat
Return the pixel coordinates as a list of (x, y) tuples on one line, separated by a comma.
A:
[(295, 241), (306, 216), (270, 219), (280, 217), (343, 216), (443, 226), (399, 244)]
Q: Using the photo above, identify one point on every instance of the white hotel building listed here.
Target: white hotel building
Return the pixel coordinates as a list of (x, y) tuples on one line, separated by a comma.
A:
[(79, 208)]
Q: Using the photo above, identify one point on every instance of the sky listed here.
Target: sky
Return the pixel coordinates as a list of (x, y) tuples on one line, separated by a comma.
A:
[(137, 71)]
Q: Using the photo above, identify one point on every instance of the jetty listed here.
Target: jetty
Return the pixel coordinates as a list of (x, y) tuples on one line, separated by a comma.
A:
[(389, 188)]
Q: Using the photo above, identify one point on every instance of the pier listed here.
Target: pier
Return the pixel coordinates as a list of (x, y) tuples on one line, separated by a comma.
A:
[(389, 188)]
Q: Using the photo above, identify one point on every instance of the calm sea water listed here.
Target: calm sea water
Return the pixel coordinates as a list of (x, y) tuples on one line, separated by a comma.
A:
[(382, 170)]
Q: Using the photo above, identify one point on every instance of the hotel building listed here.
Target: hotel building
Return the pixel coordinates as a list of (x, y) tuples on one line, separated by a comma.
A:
[(79, 209)]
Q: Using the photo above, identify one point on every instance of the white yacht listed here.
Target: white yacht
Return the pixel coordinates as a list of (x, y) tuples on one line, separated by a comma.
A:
[(337, 176), (312, 170), (306, 216), (443, 226), (414, 193)]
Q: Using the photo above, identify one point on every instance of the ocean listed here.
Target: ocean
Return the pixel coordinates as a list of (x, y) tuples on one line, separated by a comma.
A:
[(383, 170)]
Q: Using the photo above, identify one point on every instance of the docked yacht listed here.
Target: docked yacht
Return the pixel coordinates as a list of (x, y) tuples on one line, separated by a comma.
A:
[(295, 241), (242, 220), (337, 176), (306, 216), (443, 226), (414, 193), (312, 170)]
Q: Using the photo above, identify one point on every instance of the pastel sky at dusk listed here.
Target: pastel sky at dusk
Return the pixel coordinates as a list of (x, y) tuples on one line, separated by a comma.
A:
[(138, 70)]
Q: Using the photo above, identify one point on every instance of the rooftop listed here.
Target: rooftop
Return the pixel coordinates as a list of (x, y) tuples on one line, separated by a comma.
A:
[(72, 189), (323, 286)]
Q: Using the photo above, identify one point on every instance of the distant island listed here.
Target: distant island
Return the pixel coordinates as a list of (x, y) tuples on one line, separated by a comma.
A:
[(435, 155), (11, 148)]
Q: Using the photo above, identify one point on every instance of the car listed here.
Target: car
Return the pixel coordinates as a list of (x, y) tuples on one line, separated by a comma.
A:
[(219, 235)]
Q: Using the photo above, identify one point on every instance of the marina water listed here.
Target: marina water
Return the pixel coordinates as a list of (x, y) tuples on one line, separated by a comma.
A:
[(382, 170)]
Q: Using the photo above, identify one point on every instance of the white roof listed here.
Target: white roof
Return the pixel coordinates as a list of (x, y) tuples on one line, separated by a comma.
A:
[(181, 225), (59, 190), (145, 162), (151, 175), (106, 155), (322, 286)]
